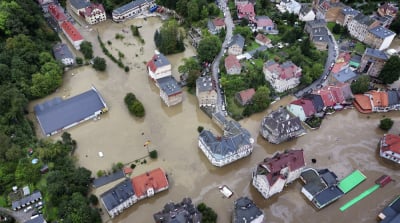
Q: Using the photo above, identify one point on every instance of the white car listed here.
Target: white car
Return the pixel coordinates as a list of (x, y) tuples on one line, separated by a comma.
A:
[(28, 209)]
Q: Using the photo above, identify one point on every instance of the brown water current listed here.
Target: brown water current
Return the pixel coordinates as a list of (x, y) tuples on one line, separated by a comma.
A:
[(346, 141)]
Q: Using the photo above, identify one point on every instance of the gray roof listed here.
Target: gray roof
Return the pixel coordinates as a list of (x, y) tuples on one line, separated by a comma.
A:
[(376, 53), (316, 23), (328, 176), (394, 97), (320, 31), (238, 40), (381, 32), (38, 219), (305, 9), (282, 123), (204, 84), (169, 85), (225, 145), (345, 75), (355, 58), (79, 4), (316, 100), (327, 196), (182, 212), (61, 51), (101, 181), (211, 26), (35, 196), (245, 211), (363, 19), (118, 194), (323, 39), (130, 5), (350, 11), (56, 114), (313, 184), (158, 60), (392, 212)]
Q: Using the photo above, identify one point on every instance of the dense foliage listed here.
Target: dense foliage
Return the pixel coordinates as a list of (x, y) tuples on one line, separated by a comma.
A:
[(99, 64), (386, 124), (169, 39), (135, 107), (192, 68), (390, 71), (87, 49), (208, 48), (209, 215), (361, 85)]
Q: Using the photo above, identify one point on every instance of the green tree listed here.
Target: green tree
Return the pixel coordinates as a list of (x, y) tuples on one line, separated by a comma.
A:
[(99, 64), (209, 215), (261, 98), (208, 48), (87, 49), (181, 7), (76, 210), (336, 28), (47, 81), (192, 68), (390, 71), (245, 31), (193, 11), (169, 39), (79, 60), (395, 26), (361, 85), (386, 124)]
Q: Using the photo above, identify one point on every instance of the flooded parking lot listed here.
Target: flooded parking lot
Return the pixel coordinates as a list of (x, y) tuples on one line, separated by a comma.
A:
[(346, 141)]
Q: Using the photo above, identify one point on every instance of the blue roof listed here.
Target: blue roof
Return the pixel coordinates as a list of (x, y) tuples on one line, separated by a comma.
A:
[(79, 4), (169, 85), (381, 32), (394, 97), (118, 194), (392, 212), (62, 51), (130, 5), (56, 114), (376, 53), (345, 75)]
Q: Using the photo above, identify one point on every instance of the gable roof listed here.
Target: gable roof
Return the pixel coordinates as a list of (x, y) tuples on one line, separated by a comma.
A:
[(282, 123), (393, 97), (79, 4), (57, 12), (286, 70), (391, 143), (237, 40), (263, 38), (246, 9), (155, 179), (232, 61), (263, 21), (381, 32), (37, 195), (376, 53), (344, 75), (157, 61), (101, 181), (92, 7), (182, 212), (118, 194), (71, 31), (304, 10), (363, 102), (246, 95), (379, 98), (391, 213), (218, 22), (307, 106), (245, 210), (363, 19), (316, 100)]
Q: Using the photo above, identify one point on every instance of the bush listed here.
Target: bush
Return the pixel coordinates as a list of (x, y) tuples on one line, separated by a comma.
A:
[(126, 69), (209, 215), (120, 165), (100, 173), (133, 166), (153, 154), (99, 64), (386, 124), (135, 107), (119, 36), (93, 199), (200, 129), (79, 60)]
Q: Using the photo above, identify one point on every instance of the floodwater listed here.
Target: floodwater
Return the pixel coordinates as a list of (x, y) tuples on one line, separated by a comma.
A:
[(346, 141)]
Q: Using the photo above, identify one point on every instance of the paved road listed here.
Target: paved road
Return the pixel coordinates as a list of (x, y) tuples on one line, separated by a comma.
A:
[(19, 216)]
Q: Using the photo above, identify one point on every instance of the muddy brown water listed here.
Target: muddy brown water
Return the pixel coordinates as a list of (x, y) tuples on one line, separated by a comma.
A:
[(346, 141)]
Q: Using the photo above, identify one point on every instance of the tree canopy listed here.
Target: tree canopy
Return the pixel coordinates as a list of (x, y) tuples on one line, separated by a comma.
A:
[(169, 39), (361, 85), (99, 64), (390, 71), (209, 47)]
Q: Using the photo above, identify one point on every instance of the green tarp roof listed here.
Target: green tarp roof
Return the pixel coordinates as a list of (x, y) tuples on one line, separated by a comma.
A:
[(351, 181)]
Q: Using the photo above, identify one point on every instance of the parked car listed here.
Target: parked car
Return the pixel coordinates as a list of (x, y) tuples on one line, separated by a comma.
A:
[(28, 209), (40, 203)]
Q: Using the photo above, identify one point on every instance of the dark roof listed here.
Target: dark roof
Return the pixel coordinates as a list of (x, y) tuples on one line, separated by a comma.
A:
[(350, 11), (56, 114), (129, 6), (323, 39), (345, 75), (157, 61), (363, 19), (382, 32), (204, 83), (38, 219), (169, 85), (25, 200), (316, 23), (392, 212), (61, 51), (79, 4), (282, 122), (182, 212), (118, 194), (316, 100), (319, 31), (355, 58), (305, 9), (394, 97), (211, 26), (245, 210), (237, 39), (376, 53), (313, 183), (101, 181), (327, 196)]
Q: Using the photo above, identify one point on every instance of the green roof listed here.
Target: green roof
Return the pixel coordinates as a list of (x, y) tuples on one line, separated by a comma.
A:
[(351, 181)]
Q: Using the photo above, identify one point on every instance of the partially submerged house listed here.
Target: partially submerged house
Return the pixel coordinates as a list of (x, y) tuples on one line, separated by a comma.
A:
[(273, 174), (131, 10), (170, 91), (302, 108), (206, 92), (150, 183), (72, 34), (377, 101), (372, 62), (119, 198), (184, 211), (283, 76), (245, 211), (391, 213), (159, 66), (63, 54), (389, 147)]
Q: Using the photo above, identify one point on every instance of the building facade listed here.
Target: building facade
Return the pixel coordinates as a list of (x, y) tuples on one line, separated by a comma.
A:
[(379, 38), (390, 147), (94, 14), (236, 45), (131, 10), (170, 91), (372, 62), (283, 76), (206, 92), (159, 66), (232, 65), (119, 198), (72, 34), (358, 27)]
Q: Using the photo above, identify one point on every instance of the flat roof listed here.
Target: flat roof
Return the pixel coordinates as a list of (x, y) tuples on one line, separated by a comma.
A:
[(130, 5), (101, 181), (56, 114), (351, 181)]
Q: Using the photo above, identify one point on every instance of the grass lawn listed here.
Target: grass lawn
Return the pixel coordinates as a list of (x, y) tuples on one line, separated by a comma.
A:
[(360, 48), (252, 46), (3, 201)]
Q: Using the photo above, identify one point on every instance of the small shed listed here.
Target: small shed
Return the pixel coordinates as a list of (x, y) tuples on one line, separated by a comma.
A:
[(44, 169)]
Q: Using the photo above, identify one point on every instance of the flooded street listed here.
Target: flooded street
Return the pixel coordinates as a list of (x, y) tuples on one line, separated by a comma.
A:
[(346, 141)]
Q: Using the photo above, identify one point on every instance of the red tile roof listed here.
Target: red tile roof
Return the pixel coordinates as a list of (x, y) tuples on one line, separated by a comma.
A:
[(379, 98), (307, 106), (246, 10), (246, 95), (127, 170), (342, 61), (327, 97), (155, 179), (57, 13), (336, 92), (89, 10), (232, 61), (71, 31), (219, 22), (362, 103), (391, 142), (264, 21), (262, 38)]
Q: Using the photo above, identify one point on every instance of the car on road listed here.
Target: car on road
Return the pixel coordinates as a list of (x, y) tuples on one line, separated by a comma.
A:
[(319, 86)]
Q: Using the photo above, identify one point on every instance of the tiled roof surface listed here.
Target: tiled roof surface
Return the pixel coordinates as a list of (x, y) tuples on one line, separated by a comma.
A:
[(247, 95), (264, 21), (363, 101), (379, 98), (71, 31), (391, 142), (56, 12), (155, 179), (307, 105), (245, 210), (376, 53), (237, 39), (89, 10), (232, 61), (263, 38), (157, 61), (118, 194), (79, 4), (219, 22), (62, 51)]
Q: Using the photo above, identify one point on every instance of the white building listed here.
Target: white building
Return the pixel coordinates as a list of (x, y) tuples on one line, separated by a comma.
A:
[(94, 14), (72, 34), (119, 198), (282, 77), (159, 66), (63, 54), (131, 10), (306, 14)]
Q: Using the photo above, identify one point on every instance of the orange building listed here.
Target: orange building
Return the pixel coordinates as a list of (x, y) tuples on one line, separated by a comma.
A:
[(150, 183)]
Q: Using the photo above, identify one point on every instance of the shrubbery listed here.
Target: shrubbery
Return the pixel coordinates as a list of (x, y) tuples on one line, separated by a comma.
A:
[(209, 215), (386, 124), (135, 107)]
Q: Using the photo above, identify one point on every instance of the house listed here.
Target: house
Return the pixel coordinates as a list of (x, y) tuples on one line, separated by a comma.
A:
[(235, 47), (232, 65), (206, 92), (273, 174), (346, 15), (36, 219), (106, 179), (320, 187), (246, 211), (45, 5), (263, 40), (264, 23), (391, 213), (384, 21), (306, 13), (379, 38), (314, 24), (150, 183), (245, 11), (72, 34), (79, 6), (63, 54), (290, 6), (282, 76), (316, 100), (131, 10), (328, 9), (320, 38), (119, 198), (372, 62), (57, 114), (394, 99), (355, 61), (216, 25), (94, 13), (280, 126), (170, 91), (159, 66), (358, 27), (244, 97), (195, 36), (302, 108), (389, 147), (234, 144), (373, 101), (182, 212), (341, 62), (26, 201), (388, 8), (344, 75), (57, 15)]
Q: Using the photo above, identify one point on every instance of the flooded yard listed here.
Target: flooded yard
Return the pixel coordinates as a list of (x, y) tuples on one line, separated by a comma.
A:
[(346, 141)]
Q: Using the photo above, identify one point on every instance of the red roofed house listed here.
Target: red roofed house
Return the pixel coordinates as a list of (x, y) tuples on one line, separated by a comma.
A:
[(72, 34), (246, 11), (159, 66), (390, 147), (150, 183), (302, 108), (372, 101), (56, 14), (327, 97), (282, 76), (232, 65), (216, 25), (262, 40), (264, 23), (362, 103), (244, 97), (339, 94), (342, 62), (389, 9), (94, 13), (273, 174)]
